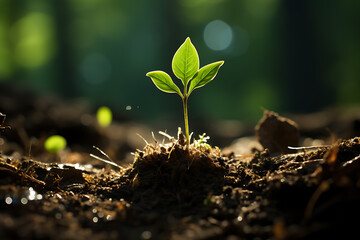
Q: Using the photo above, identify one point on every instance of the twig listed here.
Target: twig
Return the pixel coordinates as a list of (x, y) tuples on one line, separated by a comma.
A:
[(309, 147), (110, 161)]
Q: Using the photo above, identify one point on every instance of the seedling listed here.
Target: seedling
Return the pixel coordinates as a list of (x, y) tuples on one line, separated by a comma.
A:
[(202, 142), (185, 66), (104, 116), (55, 143)]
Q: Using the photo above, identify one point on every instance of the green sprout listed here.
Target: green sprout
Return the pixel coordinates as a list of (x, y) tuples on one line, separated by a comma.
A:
[(104, 116), (202, 142), (185, 65), (55, 143)]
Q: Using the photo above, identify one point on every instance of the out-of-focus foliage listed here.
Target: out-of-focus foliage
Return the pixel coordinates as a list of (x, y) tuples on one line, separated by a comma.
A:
[(55, 143), (279, 54), (104, 116)]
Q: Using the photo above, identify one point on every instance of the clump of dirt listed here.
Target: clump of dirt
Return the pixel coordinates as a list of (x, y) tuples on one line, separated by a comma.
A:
[(174, 172), (276, 133)]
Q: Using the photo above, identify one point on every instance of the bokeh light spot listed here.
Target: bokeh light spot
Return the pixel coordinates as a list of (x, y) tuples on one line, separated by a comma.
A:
[(104, 116), (218, 35), (24, 201), (8, 200), (34, 39)]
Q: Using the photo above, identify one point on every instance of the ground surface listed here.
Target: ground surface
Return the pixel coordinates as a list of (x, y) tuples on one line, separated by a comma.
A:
[(165, 191)]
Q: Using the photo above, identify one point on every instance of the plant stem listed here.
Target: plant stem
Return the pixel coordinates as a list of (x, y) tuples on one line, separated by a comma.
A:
[(185, 98)]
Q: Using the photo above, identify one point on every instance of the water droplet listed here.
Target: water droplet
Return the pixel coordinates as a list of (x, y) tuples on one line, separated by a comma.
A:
[(24, 200), (95, 219), (146, 235), (94, 210), (101, 214), (128, 108), (239, 218), (58, 215), (109, 217), (39, 196), (8, 200), (31, 194)]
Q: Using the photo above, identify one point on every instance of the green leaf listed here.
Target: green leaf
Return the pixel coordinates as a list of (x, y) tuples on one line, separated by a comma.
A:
[(205, 75), (185, 62), (163, 81)]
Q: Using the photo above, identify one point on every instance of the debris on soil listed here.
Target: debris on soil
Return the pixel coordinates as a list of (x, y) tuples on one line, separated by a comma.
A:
[(165, 191), (170, 192), (276, 133)]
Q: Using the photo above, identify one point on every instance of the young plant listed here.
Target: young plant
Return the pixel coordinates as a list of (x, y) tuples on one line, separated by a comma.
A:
[(185, 65), (202, 142)]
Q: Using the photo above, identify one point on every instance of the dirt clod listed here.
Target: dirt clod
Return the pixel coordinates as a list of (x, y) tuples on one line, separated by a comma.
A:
[(276, 133), (177, 172)]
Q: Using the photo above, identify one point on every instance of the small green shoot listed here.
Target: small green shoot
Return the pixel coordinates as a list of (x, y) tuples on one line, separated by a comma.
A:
[(104, 116), (202, 142), (55, 143), (185, 65)]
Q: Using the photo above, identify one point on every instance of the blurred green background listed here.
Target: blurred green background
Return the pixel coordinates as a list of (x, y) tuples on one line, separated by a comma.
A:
[(287, 56)]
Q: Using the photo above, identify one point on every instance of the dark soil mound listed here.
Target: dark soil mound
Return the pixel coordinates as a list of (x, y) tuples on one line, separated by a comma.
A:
[(170, 192), (171, 173)]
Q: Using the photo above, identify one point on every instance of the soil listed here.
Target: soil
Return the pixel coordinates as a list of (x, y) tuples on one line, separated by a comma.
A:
[(166, 190)]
